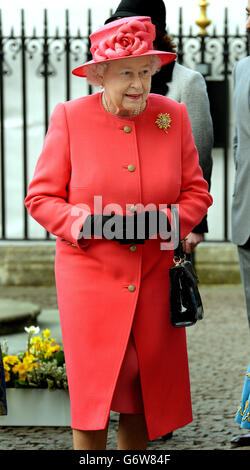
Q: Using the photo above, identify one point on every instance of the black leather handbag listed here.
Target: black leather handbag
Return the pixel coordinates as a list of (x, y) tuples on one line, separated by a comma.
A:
[(185, 300)]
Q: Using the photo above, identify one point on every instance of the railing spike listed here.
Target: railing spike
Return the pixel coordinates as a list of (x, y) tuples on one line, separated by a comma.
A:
[(67, 22), (0, 22)]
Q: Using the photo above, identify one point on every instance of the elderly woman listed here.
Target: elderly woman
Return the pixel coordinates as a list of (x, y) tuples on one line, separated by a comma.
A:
[(109, 161), (180, 84)]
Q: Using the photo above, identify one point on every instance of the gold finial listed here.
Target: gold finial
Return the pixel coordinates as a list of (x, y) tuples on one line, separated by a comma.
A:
[(203, 21)]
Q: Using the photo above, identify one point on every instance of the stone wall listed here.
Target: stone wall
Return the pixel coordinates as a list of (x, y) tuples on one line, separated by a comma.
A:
[(27, 264), (32, 264), (217, 263)]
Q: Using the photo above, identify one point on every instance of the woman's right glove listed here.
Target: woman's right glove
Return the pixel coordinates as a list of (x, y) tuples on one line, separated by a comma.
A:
[(96, 225)]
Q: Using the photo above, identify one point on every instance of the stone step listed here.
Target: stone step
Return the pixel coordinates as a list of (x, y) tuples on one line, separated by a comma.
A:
[(217, 263), (32, 263), (47, 319), (15, 314)]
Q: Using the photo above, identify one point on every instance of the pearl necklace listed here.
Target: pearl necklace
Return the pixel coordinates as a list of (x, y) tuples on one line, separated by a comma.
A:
[(134, 113)]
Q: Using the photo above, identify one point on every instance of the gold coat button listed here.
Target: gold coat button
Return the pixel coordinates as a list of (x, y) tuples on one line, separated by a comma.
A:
[(131, 167), (133, 209), (132, 248), (127, 129), (131, 288)]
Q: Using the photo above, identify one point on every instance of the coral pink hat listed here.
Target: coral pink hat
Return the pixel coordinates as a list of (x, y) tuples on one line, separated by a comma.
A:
[(120, 39)]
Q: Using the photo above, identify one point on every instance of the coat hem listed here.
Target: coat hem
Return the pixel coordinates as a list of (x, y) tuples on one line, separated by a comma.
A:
[(152, 436)]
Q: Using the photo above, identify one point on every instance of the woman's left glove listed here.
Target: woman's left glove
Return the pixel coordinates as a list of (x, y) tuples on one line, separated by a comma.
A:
[(146, 224), (136, 228)]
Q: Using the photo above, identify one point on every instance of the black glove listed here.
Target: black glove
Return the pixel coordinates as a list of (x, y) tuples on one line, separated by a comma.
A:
[(96, 225), (93, 225), (146, 224), (128, 229), (153, 222)]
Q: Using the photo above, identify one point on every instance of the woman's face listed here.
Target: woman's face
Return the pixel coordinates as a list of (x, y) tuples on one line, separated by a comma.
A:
[(127, 84), (248, 15)]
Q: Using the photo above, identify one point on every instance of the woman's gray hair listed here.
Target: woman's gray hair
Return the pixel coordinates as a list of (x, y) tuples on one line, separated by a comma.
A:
[(95, 72)]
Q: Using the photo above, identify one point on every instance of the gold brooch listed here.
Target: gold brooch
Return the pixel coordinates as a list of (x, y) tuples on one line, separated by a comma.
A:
[(163, 121)]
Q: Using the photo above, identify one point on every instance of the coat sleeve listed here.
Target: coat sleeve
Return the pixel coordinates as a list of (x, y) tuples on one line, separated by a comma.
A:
[(194, 198), (235, 132), (46, 199)]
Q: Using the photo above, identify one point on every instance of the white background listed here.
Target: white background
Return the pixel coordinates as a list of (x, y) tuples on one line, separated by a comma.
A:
[(191, 11)]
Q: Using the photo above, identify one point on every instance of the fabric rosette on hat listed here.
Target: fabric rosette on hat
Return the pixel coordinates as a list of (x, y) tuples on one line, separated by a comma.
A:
[(127, 37), (133, 38)]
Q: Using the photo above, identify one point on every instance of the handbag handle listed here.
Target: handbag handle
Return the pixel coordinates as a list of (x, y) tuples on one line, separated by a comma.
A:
[(179, 254)]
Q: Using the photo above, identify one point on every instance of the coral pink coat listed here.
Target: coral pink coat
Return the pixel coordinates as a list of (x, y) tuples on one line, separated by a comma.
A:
[(86, 153)]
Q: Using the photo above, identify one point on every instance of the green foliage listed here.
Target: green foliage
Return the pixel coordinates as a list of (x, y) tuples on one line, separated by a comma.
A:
[(48, 375), (42, 365)]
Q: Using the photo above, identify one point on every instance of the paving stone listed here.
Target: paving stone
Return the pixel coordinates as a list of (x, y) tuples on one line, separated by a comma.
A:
[(219, 353), (14, 314)]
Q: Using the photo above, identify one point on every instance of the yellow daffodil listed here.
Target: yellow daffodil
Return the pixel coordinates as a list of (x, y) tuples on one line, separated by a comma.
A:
[(36, 343), (6, 365), (29, 356), (46, 333), (7, 375), (48, 353), (11, 360), (29, 363), (20, 369), (36, 340), (56, 348)]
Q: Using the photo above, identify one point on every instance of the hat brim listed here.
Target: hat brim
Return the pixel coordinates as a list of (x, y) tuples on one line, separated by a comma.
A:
[(165, 58)]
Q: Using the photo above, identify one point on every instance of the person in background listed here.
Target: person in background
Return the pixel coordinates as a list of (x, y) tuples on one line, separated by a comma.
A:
[(241, 207), (240, 219), (180, 84), (243, 414)]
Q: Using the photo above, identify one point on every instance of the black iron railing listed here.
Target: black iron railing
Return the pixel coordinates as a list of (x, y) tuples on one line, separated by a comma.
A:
[(214, 55)]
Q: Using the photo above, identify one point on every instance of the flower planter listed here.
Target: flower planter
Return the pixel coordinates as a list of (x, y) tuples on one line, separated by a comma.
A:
[(36, 407)]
